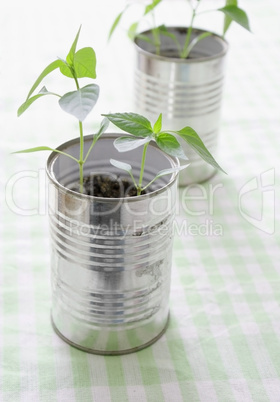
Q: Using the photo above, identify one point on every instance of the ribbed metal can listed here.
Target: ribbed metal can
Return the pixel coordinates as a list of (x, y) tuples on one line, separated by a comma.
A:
[(188, 92), (111, 257)]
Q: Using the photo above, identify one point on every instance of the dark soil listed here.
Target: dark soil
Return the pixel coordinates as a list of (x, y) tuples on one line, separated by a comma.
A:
[(106, 186)]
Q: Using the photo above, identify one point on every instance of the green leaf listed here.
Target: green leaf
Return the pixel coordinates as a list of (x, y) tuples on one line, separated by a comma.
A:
[(170, 145), (195, 142), (166, 172), (158, 124), (85, 63), (163, 30), (124, 144), (236, 14), (124, 166), (145, 38), (227, 19), (121, 165), (29, 101), (132, 31), (36, 149), (70, 56), (51, 67), (80, 103), (151, 6), (81, 63), (43, 148), (132, 123), (115, 23), (103, 127)]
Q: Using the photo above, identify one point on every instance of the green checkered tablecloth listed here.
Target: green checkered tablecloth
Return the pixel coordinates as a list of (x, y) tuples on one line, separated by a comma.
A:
[(223, 341)]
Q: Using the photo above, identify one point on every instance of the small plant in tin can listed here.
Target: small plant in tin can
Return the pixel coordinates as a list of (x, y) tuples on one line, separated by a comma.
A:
[(231, 10)]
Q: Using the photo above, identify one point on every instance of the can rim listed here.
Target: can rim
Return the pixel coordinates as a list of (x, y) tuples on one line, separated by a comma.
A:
[(214, 36), (174, 162)]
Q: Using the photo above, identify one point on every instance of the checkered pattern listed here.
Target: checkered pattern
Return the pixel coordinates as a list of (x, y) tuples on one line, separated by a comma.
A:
[(223, 341)]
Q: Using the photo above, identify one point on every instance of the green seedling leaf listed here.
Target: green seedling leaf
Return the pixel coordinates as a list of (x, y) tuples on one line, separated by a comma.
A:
[(132, 123), (151, 6), (36, 149), (115, 23), (158, 124), (236, 14), (124, 166), (121, 165), (29, 101), (43, 148), (132, 31), (103, 127), (145, 38), (80, 103), (85, 63), (170, 145), (195, 142), (164, 31), (124, 144), (227, 19), (81, 63), (165, 172), (72, 51), (51, 67)]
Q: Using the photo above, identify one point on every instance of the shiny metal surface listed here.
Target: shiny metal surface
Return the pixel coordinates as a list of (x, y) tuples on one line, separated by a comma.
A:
[(187, 91), (111, 258)]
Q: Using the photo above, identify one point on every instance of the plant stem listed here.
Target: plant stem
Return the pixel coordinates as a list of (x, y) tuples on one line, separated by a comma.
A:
[(81, 160), (90, 149), (185, 51), (156, 35), (139, 187)]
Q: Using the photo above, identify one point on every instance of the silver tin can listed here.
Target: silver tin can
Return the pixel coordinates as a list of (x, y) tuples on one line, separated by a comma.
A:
[(111, 257), (188, 92)]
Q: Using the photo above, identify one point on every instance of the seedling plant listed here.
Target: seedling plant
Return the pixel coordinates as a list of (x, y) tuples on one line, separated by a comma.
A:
[(143, 133), (231, 10), (79, 103)]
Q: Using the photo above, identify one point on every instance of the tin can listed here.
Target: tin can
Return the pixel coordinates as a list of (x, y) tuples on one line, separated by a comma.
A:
[(111, 257), (188, 92)]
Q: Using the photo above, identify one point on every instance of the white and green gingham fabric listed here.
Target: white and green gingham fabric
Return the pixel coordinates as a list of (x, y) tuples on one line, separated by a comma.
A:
[(223, 341)]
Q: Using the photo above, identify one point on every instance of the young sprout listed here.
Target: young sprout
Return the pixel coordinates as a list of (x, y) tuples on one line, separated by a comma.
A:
[(79, 103), (231, 13), (142, 133)]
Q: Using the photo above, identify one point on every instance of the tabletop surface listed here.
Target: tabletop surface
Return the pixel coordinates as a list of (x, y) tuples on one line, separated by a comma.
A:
[(223, 340)]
